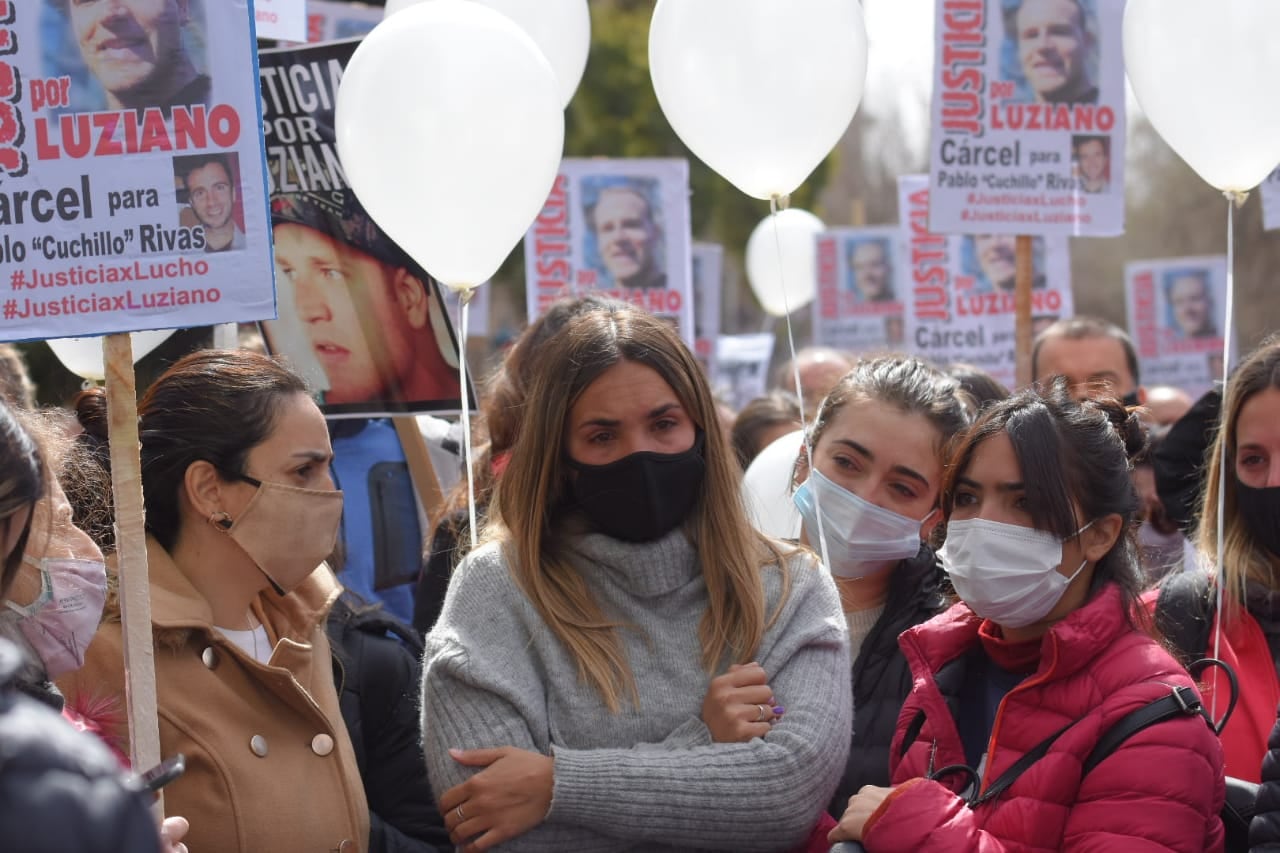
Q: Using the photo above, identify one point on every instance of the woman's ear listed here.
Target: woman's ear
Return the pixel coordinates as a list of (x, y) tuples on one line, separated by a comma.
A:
[(203, 488), (1101, 537), (800, 472)]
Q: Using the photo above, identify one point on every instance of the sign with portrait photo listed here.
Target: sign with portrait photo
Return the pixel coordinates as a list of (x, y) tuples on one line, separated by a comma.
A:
[(708, 284), (1028, 118), (742, 367), (619, 228), (1177, 309), (358, 317), (959, 295), (858, 307), (132, 193)]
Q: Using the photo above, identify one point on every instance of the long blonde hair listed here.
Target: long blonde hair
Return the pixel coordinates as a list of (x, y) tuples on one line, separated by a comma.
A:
[(531, 503), (1243, 558)]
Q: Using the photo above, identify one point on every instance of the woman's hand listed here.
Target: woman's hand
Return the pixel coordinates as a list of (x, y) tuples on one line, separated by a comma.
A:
[(739, 705), (861, 806), (172, 831), (511, 796)]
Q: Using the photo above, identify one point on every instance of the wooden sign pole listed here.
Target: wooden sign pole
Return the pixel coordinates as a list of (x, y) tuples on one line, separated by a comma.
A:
[(421, 471), (131, 553), (1025, 265)]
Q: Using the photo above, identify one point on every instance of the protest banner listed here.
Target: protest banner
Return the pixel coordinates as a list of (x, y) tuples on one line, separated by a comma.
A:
[(859, 306), (959, 291), (131, 185), (284, 20), (358, 317), (1177, 320), (1028, 118), (742, 367), (329, 20), (1270, 191), (708, 284), (619, 228)]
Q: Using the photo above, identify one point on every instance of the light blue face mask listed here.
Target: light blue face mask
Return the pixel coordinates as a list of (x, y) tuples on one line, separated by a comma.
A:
[(861, 537)]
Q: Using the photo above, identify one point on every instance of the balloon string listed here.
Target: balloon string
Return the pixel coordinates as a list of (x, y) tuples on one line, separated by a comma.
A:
[(1225, 460), (774, 203), (465, 302)]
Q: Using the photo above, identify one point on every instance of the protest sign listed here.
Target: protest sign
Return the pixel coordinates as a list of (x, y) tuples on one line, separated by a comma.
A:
[(285, 20), (358, 317), (742, 367), (859, 306), (1177, 320), (708, 283), (1270, 190), (1028, 118), (328, 20), (959, 292), (131, 185), (619, 228)]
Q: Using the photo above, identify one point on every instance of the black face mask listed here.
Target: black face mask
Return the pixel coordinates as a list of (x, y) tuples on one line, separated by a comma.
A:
[(643, 496), (1260, 509)]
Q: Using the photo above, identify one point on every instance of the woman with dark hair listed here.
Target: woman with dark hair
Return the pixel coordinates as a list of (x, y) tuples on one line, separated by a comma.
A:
[(763, 421), (880, 441), (240, 514), (609, 643), (1040, 658)]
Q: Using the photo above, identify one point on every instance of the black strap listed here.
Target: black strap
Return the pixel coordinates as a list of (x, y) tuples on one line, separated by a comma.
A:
[(1019, 767), (1181, 702), (1183, 614)]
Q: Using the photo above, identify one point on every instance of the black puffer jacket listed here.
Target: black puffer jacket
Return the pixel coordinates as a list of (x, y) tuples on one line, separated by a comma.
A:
[(60, 789), (377, 678), (881, 677), (1264, 829)]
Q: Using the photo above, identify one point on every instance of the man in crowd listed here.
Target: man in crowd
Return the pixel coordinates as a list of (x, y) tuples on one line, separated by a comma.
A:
[(820, 369), (135, 50), (363, 307), (1192, 304), (872, 273), (627, 238), (1095, 356), (1094, 163), (1055, 46), (211, 192)]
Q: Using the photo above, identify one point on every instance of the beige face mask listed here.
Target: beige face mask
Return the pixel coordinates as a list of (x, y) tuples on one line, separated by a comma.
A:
[(286, 531)]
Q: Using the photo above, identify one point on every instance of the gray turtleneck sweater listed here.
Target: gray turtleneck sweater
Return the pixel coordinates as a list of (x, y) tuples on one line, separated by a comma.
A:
[(649, 777)]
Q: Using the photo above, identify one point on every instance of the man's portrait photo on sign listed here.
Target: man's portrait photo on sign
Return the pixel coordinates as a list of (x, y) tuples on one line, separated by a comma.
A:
[(1050, 50), (128, 54), (1189, 303), (353, 306), (209, 186), (870, 269), (992, 261), (623, 240), (1091, 160)]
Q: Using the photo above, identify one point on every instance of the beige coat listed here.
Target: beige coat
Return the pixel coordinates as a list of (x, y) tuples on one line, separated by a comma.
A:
[(270, 766)]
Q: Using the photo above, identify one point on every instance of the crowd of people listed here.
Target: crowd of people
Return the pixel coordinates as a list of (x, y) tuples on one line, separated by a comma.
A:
[(931, 629)]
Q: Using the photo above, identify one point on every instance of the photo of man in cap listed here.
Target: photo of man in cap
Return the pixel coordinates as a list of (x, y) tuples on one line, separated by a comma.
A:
[(363, 308)]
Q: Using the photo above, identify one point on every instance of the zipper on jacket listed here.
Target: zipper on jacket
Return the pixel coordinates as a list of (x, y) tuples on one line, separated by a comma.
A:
[(995, 728)]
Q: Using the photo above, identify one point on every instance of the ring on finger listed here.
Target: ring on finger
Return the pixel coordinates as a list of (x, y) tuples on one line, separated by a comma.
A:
[(762, 713), (458, 811)]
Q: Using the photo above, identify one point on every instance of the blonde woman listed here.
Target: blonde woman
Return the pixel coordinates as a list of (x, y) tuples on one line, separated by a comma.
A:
[(626, 664)]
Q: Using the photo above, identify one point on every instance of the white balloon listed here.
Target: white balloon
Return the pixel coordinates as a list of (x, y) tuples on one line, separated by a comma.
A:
[(797, 231), (560, 28), (766, 488), (450, 130), (83, 356), (1205, 73), (761, 90)]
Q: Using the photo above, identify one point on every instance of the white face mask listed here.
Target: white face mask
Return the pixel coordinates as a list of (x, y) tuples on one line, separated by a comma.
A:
[(1005, 572), (862, 538), (60, 623)]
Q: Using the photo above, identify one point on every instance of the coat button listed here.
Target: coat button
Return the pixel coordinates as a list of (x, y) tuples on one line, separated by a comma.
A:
[(322, 744), (210, 657), (258, 744)]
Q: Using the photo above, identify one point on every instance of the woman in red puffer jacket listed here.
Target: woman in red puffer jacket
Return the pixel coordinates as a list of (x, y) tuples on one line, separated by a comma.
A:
[(1039, 506)]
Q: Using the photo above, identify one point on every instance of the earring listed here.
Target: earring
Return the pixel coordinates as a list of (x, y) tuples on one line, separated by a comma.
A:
[(221, 520)]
